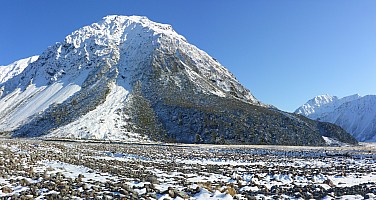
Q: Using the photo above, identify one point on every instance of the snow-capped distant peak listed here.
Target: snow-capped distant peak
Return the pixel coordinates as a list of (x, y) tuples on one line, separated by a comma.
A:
[(351, 98), (319, 101), (9, 71), (322, 103), (354, 113), (323, 99)]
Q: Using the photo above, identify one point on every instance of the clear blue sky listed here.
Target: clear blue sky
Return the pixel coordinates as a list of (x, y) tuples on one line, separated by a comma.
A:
[(285, 52)]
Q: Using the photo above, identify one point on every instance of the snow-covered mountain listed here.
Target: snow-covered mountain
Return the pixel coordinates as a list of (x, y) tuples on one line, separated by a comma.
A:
[(356, 114), (9, 71), (133, 79)]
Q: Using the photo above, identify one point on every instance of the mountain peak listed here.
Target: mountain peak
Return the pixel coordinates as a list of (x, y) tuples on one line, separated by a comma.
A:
[(133, 17), (323, 99), (354, 113), (351, 98), (126, 20), (320, 103), (117, 28), (128, 78), (117, 53), (121, 19), (316, 102), (11, 70)]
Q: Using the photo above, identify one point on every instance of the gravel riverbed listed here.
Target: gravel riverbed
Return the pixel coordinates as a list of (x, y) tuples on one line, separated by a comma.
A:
[(37, 169)]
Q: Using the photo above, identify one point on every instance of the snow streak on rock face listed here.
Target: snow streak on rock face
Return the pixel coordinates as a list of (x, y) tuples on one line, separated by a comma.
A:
[(133, 79), (354, 113)]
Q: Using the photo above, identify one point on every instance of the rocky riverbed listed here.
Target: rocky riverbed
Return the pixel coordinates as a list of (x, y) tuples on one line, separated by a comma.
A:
[(34, 169)]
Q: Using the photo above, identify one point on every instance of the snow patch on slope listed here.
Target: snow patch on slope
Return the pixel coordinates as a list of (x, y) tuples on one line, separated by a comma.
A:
[(105, 122), (333, 142), (19, 105)]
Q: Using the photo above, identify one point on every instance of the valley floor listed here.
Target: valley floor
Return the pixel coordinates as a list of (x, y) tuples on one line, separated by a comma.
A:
[(76, 170)]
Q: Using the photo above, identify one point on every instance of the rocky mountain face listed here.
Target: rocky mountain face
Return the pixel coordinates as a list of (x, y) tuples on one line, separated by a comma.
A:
[(128, 78), (355, 114), (9, 71)]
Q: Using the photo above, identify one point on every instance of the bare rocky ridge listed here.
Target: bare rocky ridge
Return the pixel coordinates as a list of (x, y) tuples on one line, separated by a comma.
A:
[(128, 78)]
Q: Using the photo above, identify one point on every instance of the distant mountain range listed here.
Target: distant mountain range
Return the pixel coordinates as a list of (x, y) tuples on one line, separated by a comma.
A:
[(356, 114), (128, 78)]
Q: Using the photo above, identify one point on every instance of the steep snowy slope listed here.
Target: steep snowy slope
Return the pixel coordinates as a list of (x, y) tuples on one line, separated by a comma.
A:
[(356, 114), (133, 79), (9, 71)]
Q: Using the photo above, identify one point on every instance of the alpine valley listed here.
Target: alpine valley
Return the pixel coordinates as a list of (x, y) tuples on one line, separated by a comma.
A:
[(131, 79), (356, 114)]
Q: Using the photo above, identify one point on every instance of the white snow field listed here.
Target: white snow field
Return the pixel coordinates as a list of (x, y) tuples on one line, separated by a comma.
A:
[(87, 170)]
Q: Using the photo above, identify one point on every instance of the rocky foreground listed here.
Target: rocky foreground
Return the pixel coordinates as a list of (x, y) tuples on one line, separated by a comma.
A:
[(32, 169)]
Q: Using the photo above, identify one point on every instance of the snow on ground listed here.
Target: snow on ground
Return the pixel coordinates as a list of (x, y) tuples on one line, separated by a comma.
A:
[(72, 171), (46, 169), (353, 179)]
